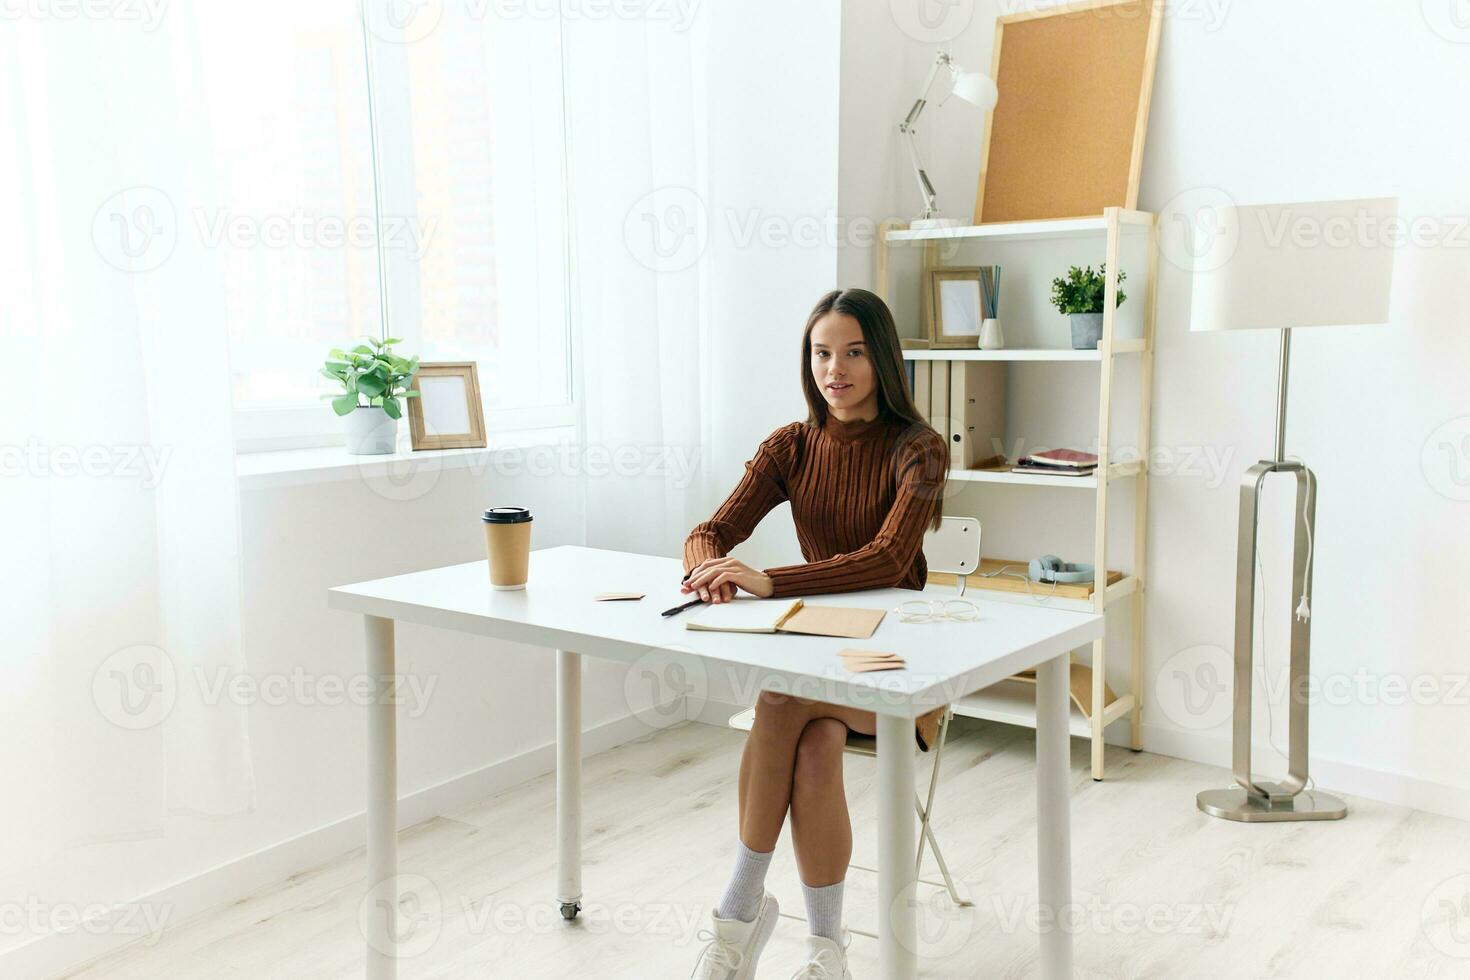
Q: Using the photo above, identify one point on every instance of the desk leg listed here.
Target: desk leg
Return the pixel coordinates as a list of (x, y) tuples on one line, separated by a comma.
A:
[(569, 782), (1054, 814), (897, 948), (382, 807)]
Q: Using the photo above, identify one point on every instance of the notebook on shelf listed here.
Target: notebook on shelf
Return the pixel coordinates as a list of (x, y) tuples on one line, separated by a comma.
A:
[(1061, 459), (786, 616), (1054, 470)]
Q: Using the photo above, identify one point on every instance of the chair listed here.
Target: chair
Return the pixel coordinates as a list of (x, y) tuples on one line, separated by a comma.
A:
[(954, 548)]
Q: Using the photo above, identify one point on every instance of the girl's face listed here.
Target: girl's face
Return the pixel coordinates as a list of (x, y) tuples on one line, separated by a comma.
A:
[(843, 368)]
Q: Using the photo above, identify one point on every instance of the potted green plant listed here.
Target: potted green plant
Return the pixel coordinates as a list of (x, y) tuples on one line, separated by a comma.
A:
[(1080, 296), (373, 379)]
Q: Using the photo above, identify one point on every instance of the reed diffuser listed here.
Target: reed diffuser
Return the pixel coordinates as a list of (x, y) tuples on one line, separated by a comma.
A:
[(991, 336)]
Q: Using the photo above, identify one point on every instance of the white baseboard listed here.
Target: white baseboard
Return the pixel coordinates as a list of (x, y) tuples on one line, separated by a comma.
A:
[(1331, 774), (59, 953), (1213, 749)]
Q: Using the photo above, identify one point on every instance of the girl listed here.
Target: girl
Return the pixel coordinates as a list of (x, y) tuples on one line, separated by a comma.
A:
[(865, 476)]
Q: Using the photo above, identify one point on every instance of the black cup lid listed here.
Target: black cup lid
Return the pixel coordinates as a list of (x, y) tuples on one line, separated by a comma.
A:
[(506, 515)]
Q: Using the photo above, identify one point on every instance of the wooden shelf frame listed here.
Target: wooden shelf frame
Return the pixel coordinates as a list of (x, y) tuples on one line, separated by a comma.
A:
[(1007, 702)]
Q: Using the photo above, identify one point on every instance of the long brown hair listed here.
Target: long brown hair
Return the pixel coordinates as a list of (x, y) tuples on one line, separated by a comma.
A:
[(895, 401)]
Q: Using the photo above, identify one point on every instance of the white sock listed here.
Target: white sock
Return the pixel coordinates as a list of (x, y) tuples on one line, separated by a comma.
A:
[(747, 885), (824, 910)]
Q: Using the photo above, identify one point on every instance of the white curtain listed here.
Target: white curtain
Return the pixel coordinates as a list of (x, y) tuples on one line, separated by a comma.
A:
[(120, 515), (637, 209)]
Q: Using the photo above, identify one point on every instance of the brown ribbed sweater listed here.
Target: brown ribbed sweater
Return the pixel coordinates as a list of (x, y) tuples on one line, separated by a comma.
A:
[(861, 496)]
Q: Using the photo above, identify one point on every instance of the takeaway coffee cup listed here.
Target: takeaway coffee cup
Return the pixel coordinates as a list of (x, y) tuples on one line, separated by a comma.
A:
[(508, 546)]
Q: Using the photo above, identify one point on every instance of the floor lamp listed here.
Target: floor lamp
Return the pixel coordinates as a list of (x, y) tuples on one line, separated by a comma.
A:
[(1277, 267)]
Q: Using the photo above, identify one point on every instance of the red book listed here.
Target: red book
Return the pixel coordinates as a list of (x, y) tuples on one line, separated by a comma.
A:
[(1071, 458)]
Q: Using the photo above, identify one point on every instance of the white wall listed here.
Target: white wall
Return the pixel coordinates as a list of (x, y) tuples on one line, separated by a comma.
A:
[(1264, 102), (773, 172)]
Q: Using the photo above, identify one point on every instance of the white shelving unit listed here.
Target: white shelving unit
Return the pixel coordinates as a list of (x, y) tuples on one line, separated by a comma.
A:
[(1013, 701)]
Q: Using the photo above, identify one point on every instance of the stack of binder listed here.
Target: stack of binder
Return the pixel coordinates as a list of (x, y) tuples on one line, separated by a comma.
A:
[(965, 402)]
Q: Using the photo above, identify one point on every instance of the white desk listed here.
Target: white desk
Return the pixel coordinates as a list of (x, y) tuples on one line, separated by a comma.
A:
[(556, 610)]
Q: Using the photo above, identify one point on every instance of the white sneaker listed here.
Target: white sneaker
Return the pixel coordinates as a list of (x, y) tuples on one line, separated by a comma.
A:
[(733, 946), (825, 960)]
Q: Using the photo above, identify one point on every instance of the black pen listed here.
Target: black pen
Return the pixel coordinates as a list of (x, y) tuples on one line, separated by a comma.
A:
[(691, 602), (679, 609)]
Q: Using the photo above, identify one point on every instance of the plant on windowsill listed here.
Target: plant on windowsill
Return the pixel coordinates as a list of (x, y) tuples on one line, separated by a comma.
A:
[(1080, 296), (373, 379)]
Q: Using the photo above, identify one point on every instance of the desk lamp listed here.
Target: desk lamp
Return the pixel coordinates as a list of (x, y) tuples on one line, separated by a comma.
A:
[(970, 86)]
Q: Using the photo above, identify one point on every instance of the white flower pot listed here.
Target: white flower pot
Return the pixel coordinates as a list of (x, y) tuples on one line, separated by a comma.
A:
[(370, 432), (991, 336)]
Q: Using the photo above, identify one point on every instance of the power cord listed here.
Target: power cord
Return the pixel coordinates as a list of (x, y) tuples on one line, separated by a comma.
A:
[(1005, 570), (1303, 613), (1304, 609)]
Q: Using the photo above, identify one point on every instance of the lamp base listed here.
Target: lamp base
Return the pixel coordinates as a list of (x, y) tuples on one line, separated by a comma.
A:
[(1236, 804), (932, 224)]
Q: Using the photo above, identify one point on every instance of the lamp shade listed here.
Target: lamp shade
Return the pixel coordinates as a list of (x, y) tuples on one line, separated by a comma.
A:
[(1315, 264), (976, 89)]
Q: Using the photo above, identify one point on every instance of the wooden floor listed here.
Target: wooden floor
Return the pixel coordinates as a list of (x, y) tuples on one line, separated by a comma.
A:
[(1162, 890)]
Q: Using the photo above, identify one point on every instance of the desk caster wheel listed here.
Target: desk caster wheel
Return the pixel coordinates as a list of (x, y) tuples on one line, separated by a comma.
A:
[(569, 910)]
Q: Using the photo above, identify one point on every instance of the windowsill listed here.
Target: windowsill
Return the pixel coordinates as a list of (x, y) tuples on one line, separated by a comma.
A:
[(327, 464)]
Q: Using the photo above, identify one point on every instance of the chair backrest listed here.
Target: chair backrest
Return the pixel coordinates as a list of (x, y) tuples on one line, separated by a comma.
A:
[(955, 547)]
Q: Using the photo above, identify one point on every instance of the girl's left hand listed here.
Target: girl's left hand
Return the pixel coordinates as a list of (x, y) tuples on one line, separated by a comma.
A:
[(713, 579)]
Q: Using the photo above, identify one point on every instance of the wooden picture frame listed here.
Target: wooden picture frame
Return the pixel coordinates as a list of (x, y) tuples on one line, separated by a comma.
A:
[(447, 413), (954, 301), (1065, 139)]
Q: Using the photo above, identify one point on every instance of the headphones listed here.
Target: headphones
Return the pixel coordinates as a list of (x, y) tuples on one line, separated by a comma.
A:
[(1051, 569)]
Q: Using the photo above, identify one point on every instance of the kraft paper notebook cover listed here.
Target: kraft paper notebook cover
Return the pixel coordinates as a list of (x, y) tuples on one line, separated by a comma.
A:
[(782, 616)]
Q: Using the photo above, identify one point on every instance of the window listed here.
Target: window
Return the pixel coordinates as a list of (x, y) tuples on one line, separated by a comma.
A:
[(470, 181)]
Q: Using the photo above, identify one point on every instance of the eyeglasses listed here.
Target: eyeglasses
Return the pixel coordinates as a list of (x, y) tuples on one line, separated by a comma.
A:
[(937, 610)]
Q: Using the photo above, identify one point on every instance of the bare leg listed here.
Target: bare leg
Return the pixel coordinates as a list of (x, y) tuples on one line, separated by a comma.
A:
[(768, 765), (821, 831)]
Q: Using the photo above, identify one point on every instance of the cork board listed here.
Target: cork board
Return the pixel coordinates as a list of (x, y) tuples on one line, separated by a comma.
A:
[(1065, 139)]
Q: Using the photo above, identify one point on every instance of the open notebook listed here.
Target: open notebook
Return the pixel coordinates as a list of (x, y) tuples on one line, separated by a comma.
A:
[(786, 616)]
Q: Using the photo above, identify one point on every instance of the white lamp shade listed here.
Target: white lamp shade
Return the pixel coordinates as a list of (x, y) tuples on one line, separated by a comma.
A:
[(976, 88), (1315, 264)]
